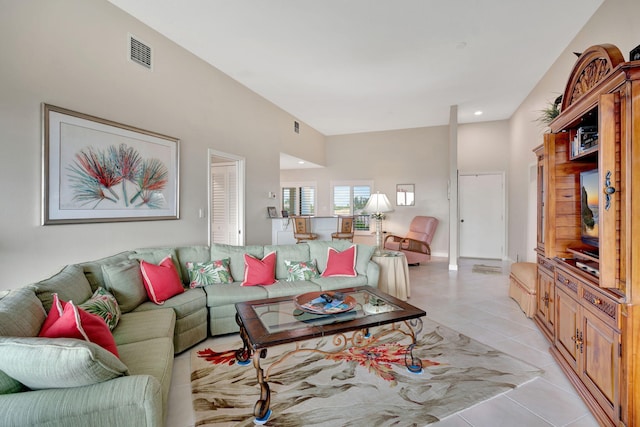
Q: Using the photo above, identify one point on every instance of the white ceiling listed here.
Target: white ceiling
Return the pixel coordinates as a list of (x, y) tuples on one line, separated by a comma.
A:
[(349, 66)]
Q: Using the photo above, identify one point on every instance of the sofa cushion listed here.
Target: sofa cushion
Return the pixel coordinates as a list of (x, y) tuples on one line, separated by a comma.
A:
[(259, 271), (144, 325), (70, 284), (301, 270), (8, 385), (337, 282), (284, 288), (124, 281), (21, 313), (184, 304), (65, 320), (162, 281), (294, 252), (93, 269), (341, 264), (41, 363), (152, 357), (236, 255), (103, 304), (209, 272), (233, 293)]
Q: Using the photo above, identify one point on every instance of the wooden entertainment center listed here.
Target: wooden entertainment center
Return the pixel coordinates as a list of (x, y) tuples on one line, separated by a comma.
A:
[(588, 294)]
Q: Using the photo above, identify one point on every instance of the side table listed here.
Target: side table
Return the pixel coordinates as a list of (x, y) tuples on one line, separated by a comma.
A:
[(394, 274)]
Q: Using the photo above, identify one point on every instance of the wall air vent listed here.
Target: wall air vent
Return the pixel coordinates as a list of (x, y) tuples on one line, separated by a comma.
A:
[(139, 52)]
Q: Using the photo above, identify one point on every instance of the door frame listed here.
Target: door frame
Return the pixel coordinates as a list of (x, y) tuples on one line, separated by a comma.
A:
[(240, 176), (503, 255)]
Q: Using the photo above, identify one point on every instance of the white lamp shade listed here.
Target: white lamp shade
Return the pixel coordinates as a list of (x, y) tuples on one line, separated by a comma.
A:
[(378, 203)]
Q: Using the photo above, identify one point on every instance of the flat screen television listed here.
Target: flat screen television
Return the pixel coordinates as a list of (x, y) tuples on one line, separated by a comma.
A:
[(589, 206)]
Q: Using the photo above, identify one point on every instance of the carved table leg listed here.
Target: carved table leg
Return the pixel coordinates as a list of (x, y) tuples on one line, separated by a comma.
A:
[(261, 409), (243, 354), (413, 364)]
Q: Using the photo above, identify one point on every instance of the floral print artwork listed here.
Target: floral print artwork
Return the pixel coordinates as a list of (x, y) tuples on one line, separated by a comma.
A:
[(117, 177)]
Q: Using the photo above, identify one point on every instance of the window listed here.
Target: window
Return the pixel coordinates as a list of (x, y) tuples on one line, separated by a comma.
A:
[(299, 198), (349, 198)]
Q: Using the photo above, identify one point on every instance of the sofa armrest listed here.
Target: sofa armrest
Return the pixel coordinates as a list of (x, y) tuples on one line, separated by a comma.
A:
[(132, 400), (373, 274)]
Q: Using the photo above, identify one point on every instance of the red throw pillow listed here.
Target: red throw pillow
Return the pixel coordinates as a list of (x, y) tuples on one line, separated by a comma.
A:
[(341, 263), (76, 323), (56, 312), (161, 281), (259, 272)]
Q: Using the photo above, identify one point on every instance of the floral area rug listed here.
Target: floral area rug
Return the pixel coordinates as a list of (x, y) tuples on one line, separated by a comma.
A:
[(357, 386)]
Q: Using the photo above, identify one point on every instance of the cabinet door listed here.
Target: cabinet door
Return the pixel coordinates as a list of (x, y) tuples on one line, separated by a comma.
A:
[(545, 296), (610, 197), (601, 362), (568, 338)]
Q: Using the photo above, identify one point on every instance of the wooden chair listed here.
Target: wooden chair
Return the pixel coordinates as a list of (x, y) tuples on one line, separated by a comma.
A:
[(302, 229), (415, 245), (345, 229)]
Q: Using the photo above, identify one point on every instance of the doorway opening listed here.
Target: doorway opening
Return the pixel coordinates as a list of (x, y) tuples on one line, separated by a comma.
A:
[(226, 198)]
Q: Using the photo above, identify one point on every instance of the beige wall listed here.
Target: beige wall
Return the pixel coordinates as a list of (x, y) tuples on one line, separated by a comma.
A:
[(73, 54), (483, 147), (616, 22), (409, 156)]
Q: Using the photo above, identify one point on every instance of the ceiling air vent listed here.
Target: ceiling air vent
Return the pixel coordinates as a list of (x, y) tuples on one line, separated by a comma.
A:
[(139, 52)]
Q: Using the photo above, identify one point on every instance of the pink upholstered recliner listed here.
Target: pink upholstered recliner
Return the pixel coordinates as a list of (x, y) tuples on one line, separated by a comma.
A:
[(416, 244)]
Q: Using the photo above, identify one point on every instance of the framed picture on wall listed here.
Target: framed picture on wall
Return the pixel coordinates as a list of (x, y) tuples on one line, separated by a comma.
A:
[(405, 195), (272, 211), (96, 170)]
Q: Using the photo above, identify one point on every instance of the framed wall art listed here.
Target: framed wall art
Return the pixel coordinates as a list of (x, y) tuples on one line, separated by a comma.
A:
[(405, 195), (96, 170), (272, 212)]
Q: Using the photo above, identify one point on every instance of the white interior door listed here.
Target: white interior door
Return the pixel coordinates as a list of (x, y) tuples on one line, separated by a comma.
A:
[(226, 199), (224, 221), (482, 223)]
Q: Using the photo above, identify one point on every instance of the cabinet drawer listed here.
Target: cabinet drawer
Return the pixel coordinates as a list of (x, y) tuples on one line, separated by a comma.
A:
[(601, 305), (546, 265), (568, 282)]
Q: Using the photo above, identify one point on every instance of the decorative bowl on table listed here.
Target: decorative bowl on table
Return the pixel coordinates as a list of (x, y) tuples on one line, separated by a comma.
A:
[(324, 302)]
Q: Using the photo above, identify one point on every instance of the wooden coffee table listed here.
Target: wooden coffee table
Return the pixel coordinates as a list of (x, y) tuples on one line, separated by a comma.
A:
[(270, 322)]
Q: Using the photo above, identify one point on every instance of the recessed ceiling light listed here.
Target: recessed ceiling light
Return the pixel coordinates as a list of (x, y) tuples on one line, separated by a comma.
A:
[(478, 113), (301, 162)]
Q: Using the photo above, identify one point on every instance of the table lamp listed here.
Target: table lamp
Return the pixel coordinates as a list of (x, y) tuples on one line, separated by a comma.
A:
[(377, 206)]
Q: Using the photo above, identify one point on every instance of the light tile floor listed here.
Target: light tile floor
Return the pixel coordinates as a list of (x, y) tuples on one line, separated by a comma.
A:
[(477, 305)]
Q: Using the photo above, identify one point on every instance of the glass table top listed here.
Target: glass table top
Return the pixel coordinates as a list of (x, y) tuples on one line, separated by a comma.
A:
[(286, 316)]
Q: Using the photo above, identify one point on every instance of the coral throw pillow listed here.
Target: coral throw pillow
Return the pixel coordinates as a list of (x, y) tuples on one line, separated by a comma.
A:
[(161, 281), (341, 263), (65, 320), (259, 272)]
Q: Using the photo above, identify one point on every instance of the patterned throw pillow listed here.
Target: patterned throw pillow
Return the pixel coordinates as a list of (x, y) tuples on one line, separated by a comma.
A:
[(301, 270), (209, 273), (103, 304)]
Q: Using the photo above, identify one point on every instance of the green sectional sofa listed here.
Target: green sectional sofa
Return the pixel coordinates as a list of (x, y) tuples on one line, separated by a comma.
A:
[(66, 381)]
